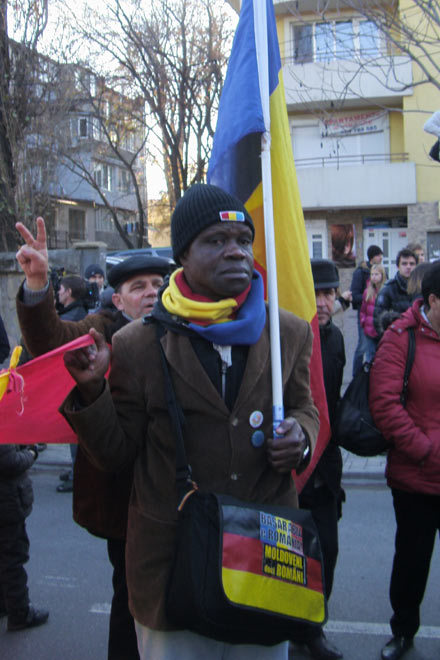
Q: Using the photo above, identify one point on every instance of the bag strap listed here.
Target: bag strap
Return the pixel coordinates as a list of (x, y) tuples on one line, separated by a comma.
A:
[(409, 363), (183, 469)]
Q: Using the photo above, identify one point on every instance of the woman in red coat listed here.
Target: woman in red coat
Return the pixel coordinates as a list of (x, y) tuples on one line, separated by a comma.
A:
[(413, 466)]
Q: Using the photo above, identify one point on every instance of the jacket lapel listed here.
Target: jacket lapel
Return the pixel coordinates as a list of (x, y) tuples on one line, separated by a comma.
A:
[(182, 357), (258, 357)]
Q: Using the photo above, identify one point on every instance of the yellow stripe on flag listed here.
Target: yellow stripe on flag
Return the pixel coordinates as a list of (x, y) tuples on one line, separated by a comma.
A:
[(273, 595)]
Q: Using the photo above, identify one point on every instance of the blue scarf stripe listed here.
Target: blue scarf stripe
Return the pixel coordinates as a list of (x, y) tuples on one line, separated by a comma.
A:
[(247, 327)]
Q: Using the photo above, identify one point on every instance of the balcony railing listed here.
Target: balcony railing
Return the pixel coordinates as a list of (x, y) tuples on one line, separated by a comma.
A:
[(345, 160)]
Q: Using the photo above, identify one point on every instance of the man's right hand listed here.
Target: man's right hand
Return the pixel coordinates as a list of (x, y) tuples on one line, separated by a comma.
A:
[(88, 367), (33, 257)]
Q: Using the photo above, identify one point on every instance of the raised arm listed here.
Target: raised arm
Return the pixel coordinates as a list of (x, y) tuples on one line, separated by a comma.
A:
[(33, 256), (41, 327)]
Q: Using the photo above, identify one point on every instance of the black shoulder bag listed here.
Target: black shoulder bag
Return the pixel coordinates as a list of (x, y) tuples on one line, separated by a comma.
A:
[(243, 573), (354, 428)]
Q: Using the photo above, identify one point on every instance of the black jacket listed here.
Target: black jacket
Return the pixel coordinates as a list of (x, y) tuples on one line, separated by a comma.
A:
[(73, 312), (392, 297), (16, 494), (358, 283), (4, 342), (329, 467)]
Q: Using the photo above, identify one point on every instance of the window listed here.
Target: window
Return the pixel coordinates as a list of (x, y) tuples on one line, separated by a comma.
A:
[(96, 128), (103, 221), (317, 245), (303, 43), (324, 47), (344, 139), (82, 127), (433, 245), (344, 40), (334, 40), (104, 176), (77, 224), (129, 141), (106, 108), (316, 231), (124, 181), (369, 45)]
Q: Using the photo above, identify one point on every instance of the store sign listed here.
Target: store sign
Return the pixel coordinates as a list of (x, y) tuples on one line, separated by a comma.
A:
[(353, 124)]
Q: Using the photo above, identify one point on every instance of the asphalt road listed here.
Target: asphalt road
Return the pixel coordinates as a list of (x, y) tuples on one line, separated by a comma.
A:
[(69, 574)]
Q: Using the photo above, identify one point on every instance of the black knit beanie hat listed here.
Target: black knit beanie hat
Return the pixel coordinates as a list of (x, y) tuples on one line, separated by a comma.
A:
[(203, 205)]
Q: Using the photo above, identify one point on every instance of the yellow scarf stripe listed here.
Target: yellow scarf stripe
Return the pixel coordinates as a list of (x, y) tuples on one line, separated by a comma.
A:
[(176, 303)]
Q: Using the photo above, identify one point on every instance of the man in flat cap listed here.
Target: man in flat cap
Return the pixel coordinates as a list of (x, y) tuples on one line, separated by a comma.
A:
[(323, 494), (100, 499), (217, 345)]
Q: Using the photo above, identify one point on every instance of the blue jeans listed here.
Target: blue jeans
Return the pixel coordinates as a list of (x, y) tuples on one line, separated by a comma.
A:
[(361, 348), (370, 348)]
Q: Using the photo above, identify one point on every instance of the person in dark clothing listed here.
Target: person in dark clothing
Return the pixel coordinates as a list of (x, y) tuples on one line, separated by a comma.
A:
[(394, 295), (71, 296), (4, 342), (358, 285), (322, 494), (100, 499), (16, 498)]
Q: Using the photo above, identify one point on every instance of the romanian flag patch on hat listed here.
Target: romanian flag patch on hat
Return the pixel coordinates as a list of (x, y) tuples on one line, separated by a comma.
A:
[(231, 216)]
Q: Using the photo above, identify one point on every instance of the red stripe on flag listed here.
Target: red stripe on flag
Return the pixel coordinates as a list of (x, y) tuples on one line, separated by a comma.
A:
[(318, 391), (241, 553)]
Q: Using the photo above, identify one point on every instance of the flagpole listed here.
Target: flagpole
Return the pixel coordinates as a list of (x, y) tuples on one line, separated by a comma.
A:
[(260, 26)]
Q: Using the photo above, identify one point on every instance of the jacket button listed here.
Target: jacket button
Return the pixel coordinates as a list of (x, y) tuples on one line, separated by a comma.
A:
[(234, 476), (234, 421)]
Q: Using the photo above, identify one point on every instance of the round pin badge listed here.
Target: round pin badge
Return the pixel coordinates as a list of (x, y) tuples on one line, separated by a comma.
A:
[(256, 419), (257, 439)]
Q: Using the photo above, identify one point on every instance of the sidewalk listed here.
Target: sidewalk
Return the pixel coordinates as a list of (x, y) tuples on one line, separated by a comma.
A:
[(57, 457), (354, 467)]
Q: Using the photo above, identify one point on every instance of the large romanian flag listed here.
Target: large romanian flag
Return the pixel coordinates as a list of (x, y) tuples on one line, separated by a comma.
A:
[(235, 165)]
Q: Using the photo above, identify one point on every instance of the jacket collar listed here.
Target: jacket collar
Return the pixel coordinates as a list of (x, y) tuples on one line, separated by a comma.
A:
[(182, 357)]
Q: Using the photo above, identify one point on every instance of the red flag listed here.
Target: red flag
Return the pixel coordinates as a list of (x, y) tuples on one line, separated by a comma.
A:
[(29, 408)]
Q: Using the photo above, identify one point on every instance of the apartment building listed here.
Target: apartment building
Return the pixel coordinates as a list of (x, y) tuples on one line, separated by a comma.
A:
[(68, 166), (356, 114)]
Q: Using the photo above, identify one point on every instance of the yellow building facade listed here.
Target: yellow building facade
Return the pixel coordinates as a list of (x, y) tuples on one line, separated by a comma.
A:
[(357, 104)]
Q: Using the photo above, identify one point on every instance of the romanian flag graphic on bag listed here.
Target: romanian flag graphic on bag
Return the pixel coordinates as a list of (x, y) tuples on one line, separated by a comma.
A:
[(245, 573), (272, 561), (235, 166)]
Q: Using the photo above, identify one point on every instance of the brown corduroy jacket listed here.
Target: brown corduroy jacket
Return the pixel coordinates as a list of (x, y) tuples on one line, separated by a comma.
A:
[(132, 424)]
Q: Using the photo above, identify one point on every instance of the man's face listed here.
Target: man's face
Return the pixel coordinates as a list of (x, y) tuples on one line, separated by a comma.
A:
[(219, 262), (377, 259), (137, 295), (325, 303), (406, 266), (99, 279), (64, 295)]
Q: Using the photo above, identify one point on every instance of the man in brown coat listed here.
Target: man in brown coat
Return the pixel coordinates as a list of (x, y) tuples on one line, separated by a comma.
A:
[(100, 499), (217, 346)]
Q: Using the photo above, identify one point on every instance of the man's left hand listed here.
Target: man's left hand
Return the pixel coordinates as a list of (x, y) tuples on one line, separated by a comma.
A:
[(285, 453)]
